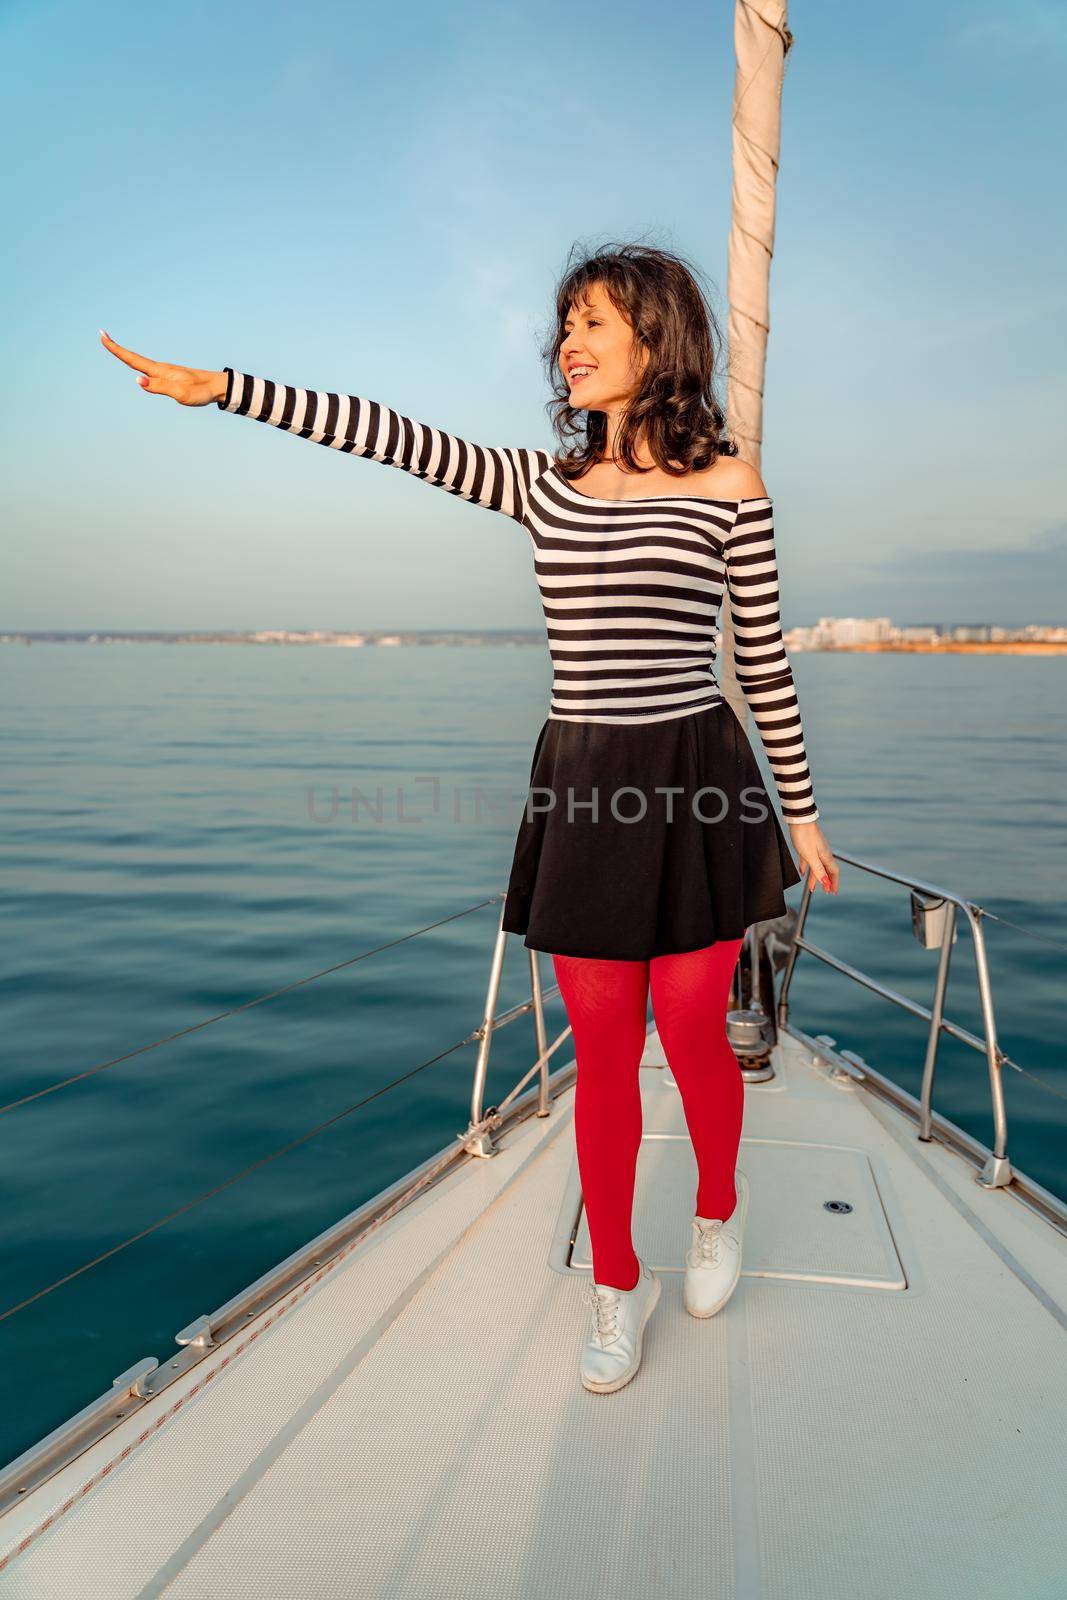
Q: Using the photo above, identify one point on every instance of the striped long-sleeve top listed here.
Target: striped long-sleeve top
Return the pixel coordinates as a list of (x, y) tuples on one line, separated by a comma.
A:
[(631, 589)]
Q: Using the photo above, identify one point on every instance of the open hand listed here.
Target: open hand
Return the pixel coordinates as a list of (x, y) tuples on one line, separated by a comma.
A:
[(188, 385), (811, 846)]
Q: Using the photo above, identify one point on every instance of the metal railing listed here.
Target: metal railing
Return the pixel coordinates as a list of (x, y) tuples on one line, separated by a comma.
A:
[(997, 1172), (479, 1133)]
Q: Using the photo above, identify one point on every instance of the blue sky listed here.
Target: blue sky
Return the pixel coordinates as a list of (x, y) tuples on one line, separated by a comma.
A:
[(379, 199)]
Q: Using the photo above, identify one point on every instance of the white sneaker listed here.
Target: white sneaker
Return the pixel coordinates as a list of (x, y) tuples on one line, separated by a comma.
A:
[(713, 1261), (613, 1354)]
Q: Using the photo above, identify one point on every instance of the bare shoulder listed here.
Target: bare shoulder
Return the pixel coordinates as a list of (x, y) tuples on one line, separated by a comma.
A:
[(731, 479)]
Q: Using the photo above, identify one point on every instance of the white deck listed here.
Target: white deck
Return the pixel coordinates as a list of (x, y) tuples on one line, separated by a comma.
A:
[(878, 1412)]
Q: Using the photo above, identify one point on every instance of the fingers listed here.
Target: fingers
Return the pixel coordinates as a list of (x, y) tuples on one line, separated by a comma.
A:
[(131, 358), (818, 858), (824, 870)]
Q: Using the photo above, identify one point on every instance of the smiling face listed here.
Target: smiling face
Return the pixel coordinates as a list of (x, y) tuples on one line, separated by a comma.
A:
[(597, 354)]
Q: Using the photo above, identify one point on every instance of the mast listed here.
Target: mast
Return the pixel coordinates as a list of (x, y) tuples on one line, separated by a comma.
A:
[(761, 42)]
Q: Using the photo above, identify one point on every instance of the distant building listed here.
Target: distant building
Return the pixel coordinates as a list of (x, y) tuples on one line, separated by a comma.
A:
[(854, 630), (801, 639), (1043, 632), (972, 633)]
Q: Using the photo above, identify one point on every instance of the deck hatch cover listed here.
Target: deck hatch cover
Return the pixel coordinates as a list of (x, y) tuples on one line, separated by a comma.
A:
[(790, 1232)]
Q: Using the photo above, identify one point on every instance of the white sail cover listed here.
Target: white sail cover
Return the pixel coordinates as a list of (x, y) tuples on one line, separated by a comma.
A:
[(761, 41)]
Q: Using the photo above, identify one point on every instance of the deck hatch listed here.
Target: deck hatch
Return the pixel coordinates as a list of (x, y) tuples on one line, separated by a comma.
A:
[(791, 1231)]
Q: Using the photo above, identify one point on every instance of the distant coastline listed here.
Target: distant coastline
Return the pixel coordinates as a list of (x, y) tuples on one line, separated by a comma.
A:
[(951, 638), (950, 647), (799, 640), (318, 636)]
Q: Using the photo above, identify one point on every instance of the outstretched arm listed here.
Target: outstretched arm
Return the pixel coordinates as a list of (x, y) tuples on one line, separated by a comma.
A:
[(492, 476), (762, 666)]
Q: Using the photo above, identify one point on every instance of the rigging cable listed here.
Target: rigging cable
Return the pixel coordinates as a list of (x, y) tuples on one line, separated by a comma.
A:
[(79, 1077), (227, 1183)]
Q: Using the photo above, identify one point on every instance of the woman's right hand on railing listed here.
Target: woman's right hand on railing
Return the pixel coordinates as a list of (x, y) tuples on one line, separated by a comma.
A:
[(188, 385)]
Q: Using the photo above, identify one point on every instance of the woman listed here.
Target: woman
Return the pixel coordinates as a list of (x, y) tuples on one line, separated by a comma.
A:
[(624, 870)]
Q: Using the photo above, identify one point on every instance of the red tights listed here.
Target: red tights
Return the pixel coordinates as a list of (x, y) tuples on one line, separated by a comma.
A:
[(606, 1007)]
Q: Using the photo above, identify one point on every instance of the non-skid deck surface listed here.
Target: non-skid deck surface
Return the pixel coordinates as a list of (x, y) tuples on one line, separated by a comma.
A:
[(878, 1412)]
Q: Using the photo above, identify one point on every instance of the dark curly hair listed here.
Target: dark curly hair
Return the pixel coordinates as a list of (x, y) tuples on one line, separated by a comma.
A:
[(675, 404)]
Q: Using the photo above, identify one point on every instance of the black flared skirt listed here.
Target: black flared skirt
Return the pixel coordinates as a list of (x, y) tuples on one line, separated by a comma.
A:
[(645, 840)]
